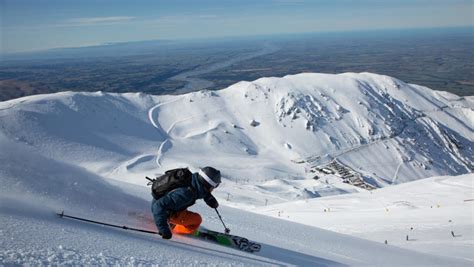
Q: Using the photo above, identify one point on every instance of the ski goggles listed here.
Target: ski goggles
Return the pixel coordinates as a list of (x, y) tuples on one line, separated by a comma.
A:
[(208, 179)]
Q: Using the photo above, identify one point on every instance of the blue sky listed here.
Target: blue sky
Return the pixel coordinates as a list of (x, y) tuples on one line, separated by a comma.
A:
[(40, 24)]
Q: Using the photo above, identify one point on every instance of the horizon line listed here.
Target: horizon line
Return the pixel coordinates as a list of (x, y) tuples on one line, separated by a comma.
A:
[(224, 37)]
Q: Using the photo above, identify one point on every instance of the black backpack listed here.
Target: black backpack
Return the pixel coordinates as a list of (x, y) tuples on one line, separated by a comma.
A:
[(172, 179)]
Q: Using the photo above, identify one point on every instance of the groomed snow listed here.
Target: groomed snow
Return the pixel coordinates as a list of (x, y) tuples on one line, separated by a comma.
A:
[(436, 214)]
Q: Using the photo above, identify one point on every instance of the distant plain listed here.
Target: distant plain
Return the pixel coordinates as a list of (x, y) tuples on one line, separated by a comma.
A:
[(441, 59)]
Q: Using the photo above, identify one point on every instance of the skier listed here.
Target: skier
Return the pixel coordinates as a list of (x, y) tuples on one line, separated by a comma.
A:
[(171, 209)]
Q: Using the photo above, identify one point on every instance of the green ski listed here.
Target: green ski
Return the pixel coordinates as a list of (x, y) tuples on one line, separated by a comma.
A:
[(233, 241)]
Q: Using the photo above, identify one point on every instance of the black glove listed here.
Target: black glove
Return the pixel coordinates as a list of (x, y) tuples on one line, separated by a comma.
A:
[(211, 202), (166, 235), (214, 205)]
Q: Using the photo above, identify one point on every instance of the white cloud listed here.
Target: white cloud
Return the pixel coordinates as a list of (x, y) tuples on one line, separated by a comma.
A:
[(97, 21), (208, 16), (288, 1)]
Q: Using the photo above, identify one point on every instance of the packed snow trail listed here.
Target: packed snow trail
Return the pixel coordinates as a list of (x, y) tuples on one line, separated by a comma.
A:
[(432, 212)]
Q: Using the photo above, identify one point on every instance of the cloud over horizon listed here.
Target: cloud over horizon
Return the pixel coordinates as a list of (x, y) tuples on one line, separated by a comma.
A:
[(97, 21), (31, 24)]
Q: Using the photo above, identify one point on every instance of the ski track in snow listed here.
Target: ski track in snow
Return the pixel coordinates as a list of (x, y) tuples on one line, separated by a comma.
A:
[(153, 114), (153, 118), (395, 175)]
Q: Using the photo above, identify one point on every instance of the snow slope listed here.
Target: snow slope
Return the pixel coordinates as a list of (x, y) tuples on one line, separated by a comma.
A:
[(32, 234), (436, 214), (88, 153), (301, 122)]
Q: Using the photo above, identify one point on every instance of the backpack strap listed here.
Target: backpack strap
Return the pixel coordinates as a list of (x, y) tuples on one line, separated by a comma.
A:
[(150, 180), (195, 194)]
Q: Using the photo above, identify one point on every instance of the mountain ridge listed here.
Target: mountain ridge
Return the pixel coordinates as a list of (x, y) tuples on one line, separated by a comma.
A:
[(285, 128)]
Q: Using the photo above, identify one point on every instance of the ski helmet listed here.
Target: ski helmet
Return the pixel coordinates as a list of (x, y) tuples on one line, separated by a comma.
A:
[(211, 176)]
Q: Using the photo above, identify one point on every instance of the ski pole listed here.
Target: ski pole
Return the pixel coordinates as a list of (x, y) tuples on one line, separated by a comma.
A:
[(62, 215), (227, 230)]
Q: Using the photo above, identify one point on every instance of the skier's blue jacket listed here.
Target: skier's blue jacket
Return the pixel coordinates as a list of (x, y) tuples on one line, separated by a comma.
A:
[(179, 199)]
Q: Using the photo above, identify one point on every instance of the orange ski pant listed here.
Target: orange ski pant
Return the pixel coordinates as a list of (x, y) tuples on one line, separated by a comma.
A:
[(186, 222)]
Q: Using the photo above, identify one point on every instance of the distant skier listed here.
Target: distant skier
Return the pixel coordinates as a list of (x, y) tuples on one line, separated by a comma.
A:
[(170, 207)]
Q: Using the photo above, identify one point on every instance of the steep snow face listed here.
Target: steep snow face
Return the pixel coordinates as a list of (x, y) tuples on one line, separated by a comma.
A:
[(34, 187), (270, 136), (33, 235)]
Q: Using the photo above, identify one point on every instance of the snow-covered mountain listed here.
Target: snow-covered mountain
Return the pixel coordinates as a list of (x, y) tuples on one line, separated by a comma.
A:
[(350, 131), (281, 143)]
